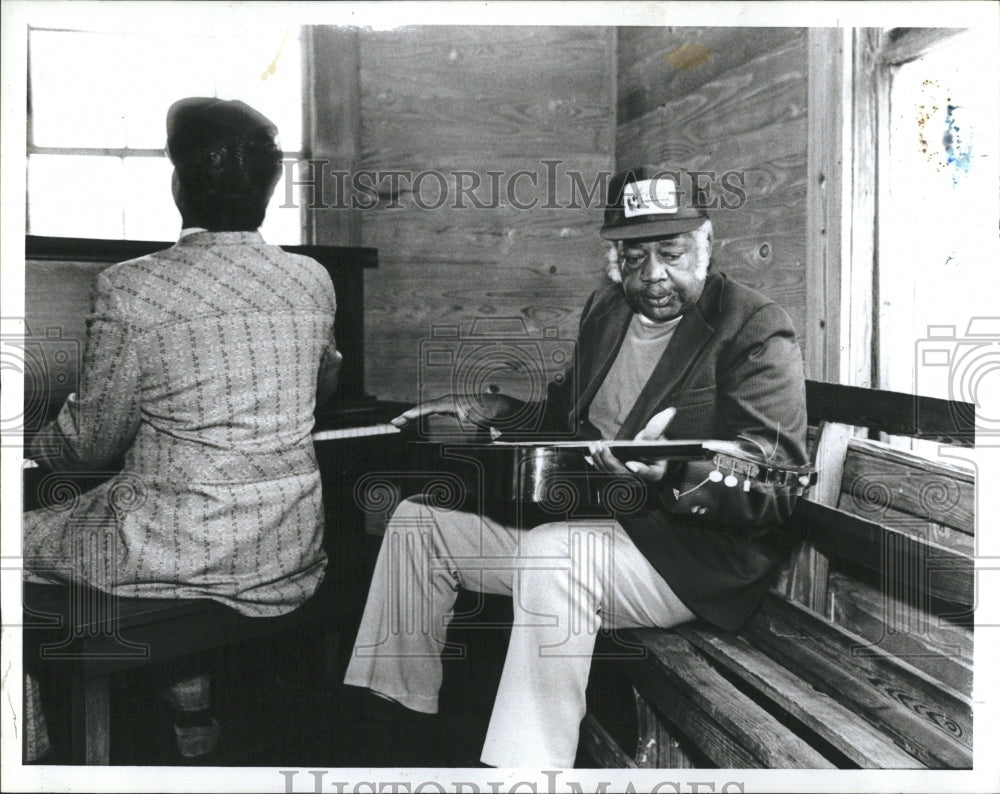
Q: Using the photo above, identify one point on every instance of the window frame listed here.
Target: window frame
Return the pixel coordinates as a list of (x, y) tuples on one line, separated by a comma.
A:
[(123, 153), (850, 71)]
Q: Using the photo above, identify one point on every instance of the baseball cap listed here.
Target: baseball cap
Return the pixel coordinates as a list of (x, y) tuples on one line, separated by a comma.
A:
[(646, 202)]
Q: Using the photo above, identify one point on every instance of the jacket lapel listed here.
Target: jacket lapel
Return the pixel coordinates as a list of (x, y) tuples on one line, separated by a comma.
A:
[(690, 338), (601, 352)]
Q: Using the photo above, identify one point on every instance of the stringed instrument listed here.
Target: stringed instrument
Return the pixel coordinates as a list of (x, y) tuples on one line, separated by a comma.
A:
[(556, 476)]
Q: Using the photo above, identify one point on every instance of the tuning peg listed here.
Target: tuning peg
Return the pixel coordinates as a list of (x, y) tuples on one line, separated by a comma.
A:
[(746, 485), (730, 481), (715, 476)]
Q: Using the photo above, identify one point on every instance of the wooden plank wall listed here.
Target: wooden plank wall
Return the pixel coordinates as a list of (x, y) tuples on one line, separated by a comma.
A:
[(479, 99), (720, 99), (506, 99)]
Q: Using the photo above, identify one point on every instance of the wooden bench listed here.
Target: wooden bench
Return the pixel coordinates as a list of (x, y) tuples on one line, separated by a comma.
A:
[(861, 654), (90, 637)]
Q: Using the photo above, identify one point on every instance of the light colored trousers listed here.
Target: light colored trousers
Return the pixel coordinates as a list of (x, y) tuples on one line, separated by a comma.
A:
[(567, 580)]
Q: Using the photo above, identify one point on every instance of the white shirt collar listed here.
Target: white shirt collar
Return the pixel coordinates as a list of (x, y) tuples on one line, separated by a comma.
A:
[(648, 323)]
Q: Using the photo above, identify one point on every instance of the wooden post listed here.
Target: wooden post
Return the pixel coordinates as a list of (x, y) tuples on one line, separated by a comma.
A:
[(810, 567), (825, 169), (869, 103), (847, 98), (333, 125), (90, 718)]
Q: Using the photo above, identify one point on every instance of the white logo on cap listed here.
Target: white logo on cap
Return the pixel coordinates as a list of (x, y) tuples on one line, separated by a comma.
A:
[(650, 197)]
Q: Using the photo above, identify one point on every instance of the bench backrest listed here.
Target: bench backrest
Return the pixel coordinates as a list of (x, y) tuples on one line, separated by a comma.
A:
[(887, 538)]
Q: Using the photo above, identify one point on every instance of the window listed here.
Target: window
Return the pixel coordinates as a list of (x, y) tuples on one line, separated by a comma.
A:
[(903, 265), (938, 263), (96, 134)]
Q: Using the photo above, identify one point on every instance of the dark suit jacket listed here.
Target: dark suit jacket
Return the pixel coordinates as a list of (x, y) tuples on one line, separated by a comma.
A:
[(732, 367)]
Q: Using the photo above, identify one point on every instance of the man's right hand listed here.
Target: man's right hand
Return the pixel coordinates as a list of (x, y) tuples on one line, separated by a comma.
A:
[(481, 409), (651, 471), (445, 406)]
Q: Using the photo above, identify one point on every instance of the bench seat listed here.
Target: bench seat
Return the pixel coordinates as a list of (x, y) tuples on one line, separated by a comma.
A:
[(89, 636)]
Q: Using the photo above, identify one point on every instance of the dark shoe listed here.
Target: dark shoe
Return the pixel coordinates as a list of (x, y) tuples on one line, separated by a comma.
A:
[(196, 738), (389, 734), (196, 731)]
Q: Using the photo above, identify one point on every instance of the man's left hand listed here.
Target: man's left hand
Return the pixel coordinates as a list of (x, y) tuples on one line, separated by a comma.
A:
[(651, 471)]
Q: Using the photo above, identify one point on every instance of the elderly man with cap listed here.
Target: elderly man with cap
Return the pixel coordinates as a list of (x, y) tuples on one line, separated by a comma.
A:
[(203, 365), (668, 349)]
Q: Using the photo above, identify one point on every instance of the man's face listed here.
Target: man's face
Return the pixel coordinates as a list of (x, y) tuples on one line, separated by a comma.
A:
[(664, 278)]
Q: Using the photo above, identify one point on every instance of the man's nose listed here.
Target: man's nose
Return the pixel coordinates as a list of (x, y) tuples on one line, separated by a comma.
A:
[(655, 269)]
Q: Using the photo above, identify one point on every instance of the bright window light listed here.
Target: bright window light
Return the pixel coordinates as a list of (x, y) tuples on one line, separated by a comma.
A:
[(96, 137)]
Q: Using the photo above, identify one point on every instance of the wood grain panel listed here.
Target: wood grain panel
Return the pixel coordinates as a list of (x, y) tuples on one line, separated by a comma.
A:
[(728, 726), (930, 722), (474, 236), (483, 62), (484, 130), (647, 78), (487, 90), (944, 573), (774, 260), (934, 646), (540, 297), (652, 140), (405, 304), (480, 99), (914, 526), (757, 219), (766, 90), (820, 713), (878, 478)]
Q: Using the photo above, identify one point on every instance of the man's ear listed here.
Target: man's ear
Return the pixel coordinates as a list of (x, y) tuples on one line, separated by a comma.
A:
[(613, 268), (275, 179), (177, 192)]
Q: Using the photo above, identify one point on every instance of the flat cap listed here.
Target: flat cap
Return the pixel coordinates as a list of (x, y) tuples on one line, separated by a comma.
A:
[(646, 203), (204, 122)]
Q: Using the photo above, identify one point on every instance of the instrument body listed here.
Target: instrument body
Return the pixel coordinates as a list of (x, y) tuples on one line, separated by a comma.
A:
[(525, 485), (534, 471), (531, 480)]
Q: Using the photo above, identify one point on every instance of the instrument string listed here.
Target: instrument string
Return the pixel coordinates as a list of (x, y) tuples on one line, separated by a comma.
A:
[(695, 488), (768, 456)]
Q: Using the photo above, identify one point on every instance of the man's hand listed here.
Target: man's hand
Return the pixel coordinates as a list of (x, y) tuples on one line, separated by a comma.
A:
[(605, 461), (481, 409), (444, 406)]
